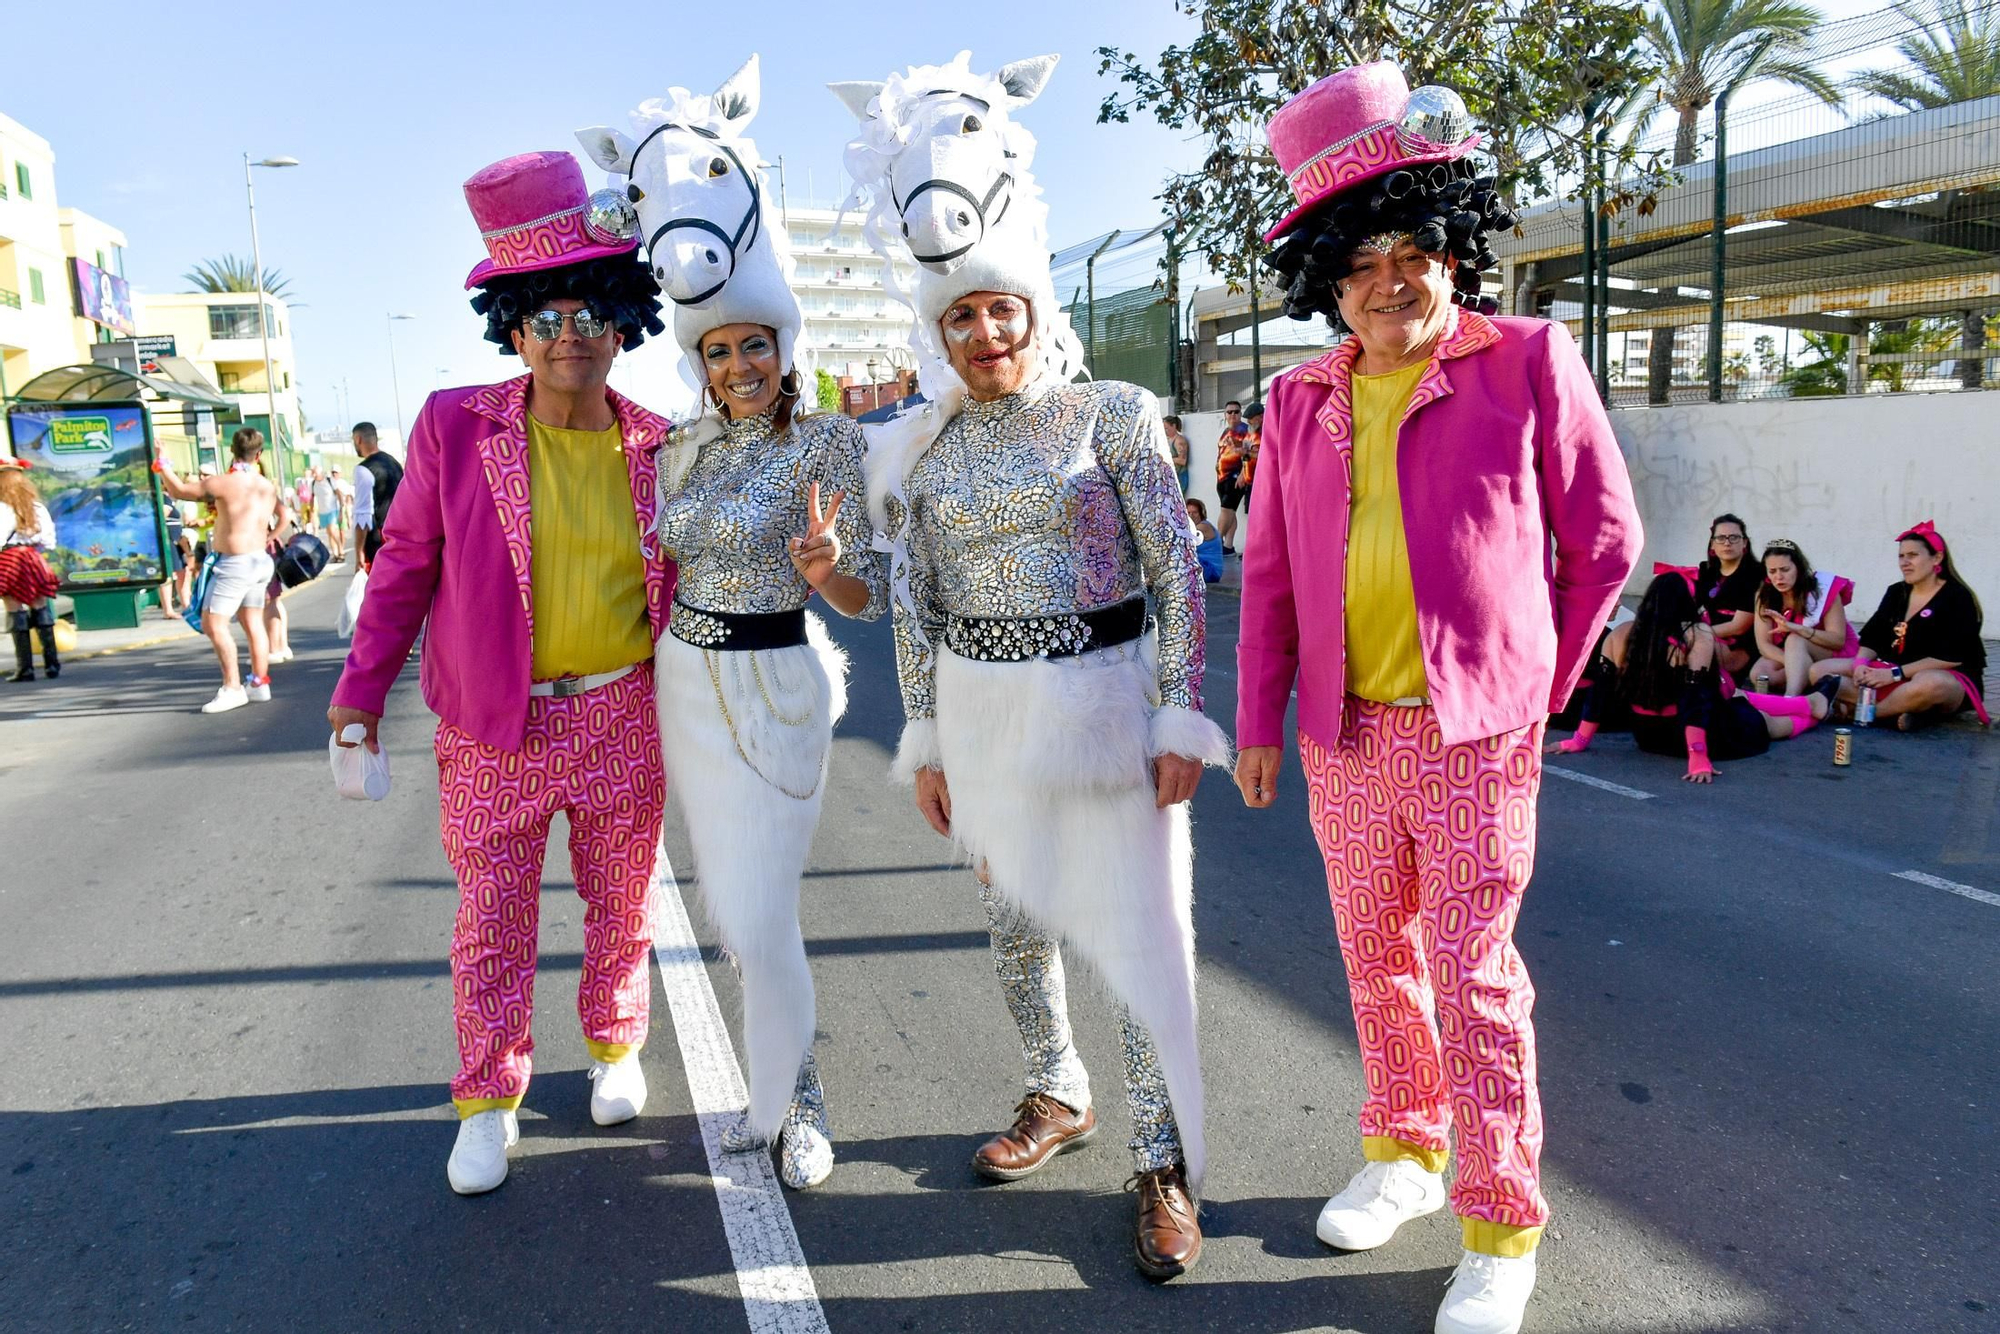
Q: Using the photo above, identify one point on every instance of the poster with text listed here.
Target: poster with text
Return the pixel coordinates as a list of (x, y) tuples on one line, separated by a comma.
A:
[(91, 468)]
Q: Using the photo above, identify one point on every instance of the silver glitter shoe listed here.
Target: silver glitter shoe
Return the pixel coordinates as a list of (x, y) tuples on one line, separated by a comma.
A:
[(805, 1145), (739, 1138)]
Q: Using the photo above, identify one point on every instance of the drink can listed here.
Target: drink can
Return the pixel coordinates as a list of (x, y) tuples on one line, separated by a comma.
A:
[(1864, 707), (1843, 746)]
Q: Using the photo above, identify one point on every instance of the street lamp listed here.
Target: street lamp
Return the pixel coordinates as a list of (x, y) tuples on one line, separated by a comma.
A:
[(874, 384), (263, 325), (395, 381)]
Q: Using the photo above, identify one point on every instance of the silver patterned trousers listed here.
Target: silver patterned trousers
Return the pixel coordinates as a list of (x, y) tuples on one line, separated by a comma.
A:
[(1030, 968)]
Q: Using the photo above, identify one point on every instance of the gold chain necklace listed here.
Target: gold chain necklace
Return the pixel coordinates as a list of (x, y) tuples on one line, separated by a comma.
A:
[(710, 656)]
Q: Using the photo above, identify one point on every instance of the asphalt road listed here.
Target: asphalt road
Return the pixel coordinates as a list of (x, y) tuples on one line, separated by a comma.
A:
[(1768, 1063)]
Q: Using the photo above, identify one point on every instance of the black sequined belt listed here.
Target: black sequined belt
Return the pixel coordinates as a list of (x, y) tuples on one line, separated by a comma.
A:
[(737, 632), (1019, 639)]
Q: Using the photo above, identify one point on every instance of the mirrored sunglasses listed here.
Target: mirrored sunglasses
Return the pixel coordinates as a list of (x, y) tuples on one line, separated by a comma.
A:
[(547, 325)]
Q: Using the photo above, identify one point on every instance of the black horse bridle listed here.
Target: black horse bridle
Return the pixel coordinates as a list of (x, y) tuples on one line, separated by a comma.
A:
[(746, 230), (979, 206)]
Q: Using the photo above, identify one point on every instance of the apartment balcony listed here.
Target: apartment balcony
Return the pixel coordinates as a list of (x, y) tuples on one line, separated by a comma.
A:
[(8, 298)]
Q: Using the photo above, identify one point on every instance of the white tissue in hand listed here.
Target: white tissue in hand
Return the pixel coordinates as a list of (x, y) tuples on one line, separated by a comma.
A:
[(359, 774)]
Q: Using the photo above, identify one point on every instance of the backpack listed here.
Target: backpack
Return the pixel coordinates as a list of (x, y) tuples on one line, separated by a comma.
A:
[(387, 475)]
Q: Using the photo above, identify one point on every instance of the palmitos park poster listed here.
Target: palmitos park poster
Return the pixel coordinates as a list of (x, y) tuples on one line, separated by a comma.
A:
[(93, 470)]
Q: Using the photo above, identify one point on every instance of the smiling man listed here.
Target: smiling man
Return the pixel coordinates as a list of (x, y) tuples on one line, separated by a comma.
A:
[(1444, 521), (1054, 727), (522, 535)]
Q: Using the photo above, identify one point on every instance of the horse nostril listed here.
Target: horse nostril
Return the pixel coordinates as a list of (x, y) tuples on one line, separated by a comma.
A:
[(906, 229), (713, 258), (660, 271), (964, 219)]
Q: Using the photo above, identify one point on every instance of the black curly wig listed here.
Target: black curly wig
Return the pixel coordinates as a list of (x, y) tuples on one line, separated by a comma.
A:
[(620, 288), (1444, 208)]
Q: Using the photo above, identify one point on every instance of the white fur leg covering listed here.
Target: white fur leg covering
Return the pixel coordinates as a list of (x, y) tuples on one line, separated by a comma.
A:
[(1195, 736), (1051, 786), (751, 840)]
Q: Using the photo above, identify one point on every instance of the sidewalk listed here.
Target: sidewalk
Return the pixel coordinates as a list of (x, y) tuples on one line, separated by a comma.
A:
[(154, 629)]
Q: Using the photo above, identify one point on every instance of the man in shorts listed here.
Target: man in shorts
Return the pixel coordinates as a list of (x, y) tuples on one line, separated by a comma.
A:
[(245, 503), (326, 515)]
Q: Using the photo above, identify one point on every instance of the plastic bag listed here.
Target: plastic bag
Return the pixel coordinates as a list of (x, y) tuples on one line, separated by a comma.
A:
[(350, 609), (359, 774)]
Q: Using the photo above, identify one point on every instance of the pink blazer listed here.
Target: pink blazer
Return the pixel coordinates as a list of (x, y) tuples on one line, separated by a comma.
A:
[(456, 553), (1504, 452)]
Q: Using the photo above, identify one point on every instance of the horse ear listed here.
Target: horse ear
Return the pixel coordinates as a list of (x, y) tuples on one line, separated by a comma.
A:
[(857, 94), (1024, 78), (736, 100), (607, 148)]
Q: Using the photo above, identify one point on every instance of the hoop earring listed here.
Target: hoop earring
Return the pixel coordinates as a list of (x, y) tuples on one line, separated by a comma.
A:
[(791, 390), (711, 399)]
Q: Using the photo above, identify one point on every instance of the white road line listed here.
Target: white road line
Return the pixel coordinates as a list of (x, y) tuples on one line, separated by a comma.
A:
[(1951, 887), (1601, 784), (778, 1292)]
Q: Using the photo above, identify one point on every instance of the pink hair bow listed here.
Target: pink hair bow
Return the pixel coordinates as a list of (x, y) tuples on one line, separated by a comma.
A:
[(1926, 533)]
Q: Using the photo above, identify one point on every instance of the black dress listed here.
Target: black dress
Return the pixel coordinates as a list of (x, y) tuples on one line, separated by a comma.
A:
[(1735, 729), (1946, 628), (1721, 596)]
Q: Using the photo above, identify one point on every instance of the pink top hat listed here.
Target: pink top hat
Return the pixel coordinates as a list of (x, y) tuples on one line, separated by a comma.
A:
[(534, 212), (1358, 124)]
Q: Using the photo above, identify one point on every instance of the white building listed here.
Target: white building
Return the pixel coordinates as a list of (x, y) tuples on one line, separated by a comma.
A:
[(850, 316), (36, 321), (217, 332)]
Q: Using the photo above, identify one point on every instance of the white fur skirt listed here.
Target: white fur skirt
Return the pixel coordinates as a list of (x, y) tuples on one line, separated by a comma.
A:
[(745, 737), (1049, 767)]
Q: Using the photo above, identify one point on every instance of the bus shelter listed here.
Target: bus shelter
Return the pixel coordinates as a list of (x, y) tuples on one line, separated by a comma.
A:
[(88, 435)]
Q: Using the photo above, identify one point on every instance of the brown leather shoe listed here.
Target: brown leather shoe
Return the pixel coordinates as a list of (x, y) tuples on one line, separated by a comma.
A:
[(1167, 1241), (1042, 1129)]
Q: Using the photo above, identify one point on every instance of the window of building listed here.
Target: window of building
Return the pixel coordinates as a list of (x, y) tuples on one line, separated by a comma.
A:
[(36, 292), (231, 381), (21, 180), (232, 321)]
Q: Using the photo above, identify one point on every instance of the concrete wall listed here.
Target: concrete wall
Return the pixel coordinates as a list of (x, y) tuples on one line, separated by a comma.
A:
[(1839, 476)]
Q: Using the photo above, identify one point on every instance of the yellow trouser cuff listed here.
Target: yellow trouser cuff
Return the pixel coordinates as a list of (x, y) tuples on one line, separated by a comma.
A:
[(610, 1051), (1382, 1149), (474, 1106), (1500, 1239)]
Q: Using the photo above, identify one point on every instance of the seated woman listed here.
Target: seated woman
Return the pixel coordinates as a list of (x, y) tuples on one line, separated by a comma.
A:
[(1921, 651), (1662, 667), (1208, 549), (1801, 620), (1726, 591)]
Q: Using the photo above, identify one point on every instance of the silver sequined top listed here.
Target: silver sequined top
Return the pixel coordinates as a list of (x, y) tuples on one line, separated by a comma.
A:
[(730, 525), (1058, 499)]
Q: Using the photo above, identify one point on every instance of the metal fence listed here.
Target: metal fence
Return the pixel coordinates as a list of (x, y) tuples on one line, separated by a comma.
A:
[(1792, 246), (1121, 297)]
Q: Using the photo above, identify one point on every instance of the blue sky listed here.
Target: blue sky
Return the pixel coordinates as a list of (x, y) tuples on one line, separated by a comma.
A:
[(389, 107)]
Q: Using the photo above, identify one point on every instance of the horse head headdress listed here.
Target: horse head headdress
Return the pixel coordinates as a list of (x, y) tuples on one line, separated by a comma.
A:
[(704, 212), (943, 174)]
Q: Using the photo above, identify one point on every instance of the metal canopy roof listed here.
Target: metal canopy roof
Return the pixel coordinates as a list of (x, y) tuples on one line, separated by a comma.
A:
[(99, 383), (1885, 218)]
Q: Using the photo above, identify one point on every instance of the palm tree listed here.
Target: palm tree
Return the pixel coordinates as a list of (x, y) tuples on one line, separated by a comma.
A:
[(231, 274), (1703, 46), (1952, 55), (1825, 374)]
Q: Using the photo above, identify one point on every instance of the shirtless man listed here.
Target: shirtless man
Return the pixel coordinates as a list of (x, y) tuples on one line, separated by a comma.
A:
[(245, 503)]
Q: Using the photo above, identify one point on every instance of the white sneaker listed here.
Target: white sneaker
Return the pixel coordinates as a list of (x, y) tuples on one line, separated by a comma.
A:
[(1489, 1295), (479, 1159), (258, 692), (226, 698), (1381, 1198), (618, 1090), (281, 655)]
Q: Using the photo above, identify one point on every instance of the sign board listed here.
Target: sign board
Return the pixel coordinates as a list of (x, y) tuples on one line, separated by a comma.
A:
[(103, 297), (92, 466)]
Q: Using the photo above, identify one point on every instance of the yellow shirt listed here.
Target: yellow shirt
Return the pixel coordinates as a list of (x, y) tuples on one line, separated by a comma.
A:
[(1385, 660), (588, 575)]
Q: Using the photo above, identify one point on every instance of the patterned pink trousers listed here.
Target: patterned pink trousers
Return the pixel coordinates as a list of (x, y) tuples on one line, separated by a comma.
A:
[(596, 758), (1427, 850)]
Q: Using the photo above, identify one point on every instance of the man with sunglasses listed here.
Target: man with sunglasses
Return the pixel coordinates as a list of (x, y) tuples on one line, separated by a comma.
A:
[(522, 538)]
